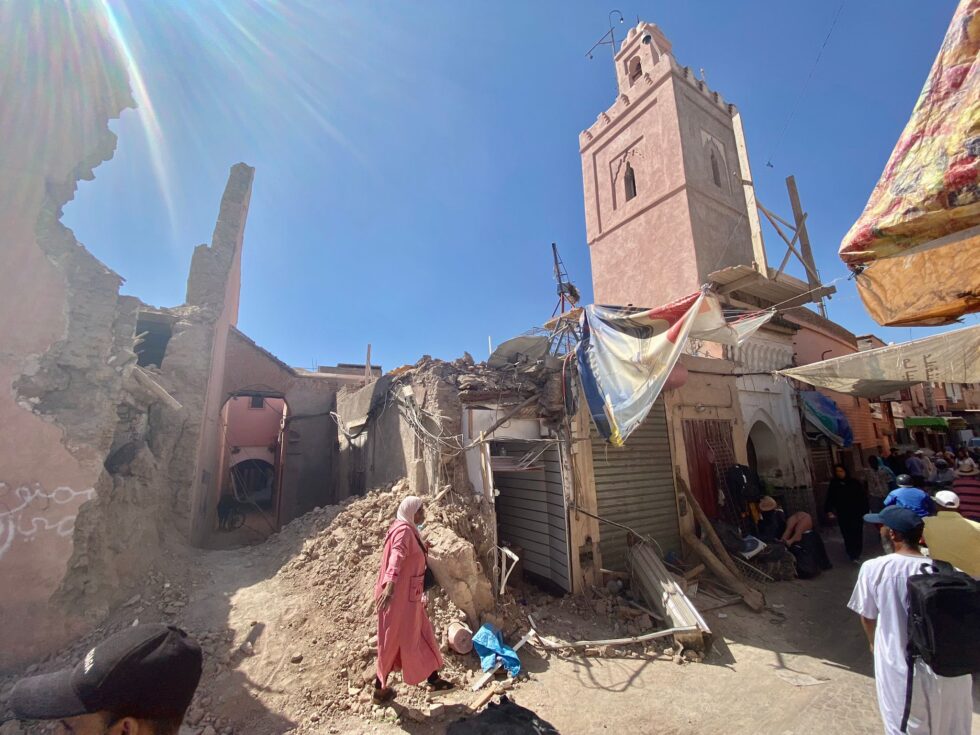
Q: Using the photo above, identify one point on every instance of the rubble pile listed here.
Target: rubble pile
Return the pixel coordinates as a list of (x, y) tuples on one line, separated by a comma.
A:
[(339, 566), (478, 381)]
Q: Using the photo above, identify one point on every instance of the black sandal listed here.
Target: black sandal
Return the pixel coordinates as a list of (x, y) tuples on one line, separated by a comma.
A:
[(436, 683), (381, 694)]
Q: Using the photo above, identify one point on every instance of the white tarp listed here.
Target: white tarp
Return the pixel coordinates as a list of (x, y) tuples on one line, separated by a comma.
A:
[(953, 357)]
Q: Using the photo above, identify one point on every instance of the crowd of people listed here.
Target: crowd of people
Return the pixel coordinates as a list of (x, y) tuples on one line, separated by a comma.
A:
[(925, 508)]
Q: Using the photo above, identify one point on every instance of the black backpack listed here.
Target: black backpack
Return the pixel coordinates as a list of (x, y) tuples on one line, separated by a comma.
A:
[(944, 617)]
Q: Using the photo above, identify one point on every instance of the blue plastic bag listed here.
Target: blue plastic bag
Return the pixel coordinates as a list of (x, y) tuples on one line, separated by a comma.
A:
[(489, 646)]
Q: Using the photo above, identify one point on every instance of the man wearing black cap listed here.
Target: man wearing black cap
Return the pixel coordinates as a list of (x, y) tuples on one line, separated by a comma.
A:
[(940, 704), (139, 681)]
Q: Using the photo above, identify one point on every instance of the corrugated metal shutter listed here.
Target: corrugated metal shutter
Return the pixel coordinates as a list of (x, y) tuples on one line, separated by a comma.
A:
[(531, 514), (635, 486)]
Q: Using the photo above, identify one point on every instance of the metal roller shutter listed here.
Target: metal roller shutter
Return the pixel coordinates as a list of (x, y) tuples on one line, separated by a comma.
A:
[(634, 486), (531, 514)]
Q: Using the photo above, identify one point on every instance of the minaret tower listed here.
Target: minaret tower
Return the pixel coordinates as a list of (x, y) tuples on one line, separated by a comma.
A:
[(666, 179)]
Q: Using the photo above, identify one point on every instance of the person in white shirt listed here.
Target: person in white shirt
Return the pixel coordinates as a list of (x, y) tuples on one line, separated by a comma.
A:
[(940, 705)]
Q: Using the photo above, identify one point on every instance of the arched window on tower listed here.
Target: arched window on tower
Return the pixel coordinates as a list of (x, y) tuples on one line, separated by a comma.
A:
[(636, 69), (629, 178), (715, 172)]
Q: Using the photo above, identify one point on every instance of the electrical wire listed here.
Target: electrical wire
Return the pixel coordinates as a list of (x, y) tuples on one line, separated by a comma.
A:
[(806, 84)]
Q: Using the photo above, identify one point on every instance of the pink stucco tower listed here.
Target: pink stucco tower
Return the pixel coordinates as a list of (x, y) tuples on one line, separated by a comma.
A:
[(668, 196)]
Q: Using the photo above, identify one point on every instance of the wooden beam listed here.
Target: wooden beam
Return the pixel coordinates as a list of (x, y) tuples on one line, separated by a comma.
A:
[(811, 266), (789, 251), (776, 216), (813, 296), (800, 217), (550, 645), (748, 188), (811, 273), (693, 572), (739, 283), (706, 526), (752, 597)]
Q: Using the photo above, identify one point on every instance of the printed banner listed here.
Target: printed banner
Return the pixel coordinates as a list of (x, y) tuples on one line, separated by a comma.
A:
[(625, 358)]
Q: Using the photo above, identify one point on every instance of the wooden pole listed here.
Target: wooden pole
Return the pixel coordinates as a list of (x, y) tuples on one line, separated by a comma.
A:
[(708, 529), (811, 266), (721, 565), (752, 597)]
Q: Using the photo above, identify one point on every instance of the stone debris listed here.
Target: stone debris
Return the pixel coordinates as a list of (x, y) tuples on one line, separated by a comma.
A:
[(337, 564), (324, 565)]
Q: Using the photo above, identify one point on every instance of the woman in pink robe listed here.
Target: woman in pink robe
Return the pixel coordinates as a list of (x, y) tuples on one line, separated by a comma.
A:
[(406, 641)]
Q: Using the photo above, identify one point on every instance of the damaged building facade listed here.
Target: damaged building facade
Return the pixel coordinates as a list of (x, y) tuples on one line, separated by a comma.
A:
[(116, 412)]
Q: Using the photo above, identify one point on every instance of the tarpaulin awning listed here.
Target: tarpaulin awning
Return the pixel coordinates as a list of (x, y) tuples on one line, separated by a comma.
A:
[(936, 422), (918, 270), (953, 357), (625, 357), (822, 414)]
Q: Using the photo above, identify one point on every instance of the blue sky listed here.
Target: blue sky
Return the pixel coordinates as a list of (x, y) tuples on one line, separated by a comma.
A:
[(414, 161)]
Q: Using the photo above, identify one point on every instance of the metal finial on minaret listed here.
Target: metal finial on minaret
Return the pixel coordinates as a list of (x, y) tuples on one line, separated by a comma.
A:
[(609, 37)]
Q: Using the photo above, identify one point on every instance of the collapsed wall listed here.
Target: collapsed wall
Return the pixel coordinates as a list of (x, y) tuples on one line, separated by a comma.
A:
[(411, 423), (100, 456), (58, 308)]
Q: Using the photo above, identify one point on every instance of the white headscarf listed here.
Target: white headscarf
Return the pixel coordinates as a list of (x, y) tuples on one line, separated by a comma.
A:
[(408, 508)]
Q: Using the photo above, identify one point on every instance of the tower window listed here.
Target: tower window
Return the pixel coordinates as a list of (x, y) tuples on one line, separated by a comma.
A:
[(256, 402), (629, 178), (635, 69), (715, 172)]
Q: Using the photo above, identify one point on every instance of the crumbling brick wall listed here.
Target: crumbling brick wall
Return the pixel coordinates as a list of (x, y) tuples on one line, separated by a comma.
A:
[(98, 455), (57, 309)]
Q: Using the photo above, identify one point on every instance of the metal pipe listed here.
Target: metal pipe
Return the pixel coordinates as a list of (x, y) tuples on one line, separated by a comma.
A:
[(549, 646)]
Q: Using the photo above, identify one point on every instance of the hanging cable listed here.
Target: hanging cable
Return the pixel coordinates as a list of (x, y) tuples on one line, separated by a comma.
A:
[(806, 84)]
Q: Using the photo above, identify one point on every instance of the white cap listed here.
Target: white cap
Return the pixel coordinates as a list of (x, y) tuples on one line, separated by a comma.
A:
[(947, 499)]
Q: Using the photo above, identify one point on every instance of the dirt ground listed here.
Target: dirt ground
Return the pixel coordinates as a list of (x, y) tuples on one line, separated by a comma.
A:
[(801, 666)]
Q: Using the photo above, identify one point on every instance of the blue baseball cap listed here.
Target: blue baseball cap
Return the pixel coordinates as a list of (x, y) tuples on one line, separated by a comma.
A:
[(896, 518)]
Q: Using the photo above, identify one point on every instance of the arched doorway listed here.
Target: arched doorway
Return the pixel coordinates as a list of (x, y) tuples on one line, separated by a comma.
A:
[(250, 471), (763, 452)]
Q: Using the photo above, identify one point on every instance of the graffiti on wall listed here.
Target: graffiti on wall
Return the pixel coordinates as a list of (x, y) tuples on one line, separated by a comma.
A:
[(26, 512)]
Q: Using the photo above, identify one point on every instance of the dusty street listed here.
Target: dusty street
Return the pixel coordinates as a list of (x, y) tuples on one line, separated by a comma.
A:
[(286, 652), (802, 666)]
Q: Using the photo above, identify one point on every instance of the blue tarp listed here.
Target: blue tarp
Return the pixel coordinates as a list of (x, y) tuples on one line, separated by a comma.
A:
[(824, 415), (489, 645)]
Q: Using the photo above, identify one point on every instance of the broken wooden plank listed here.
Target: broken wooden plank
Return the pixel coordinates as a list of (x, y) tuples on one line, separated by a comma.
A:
[(708, 529), (752, 597), (694, 572), (549, 645), (480, 701)]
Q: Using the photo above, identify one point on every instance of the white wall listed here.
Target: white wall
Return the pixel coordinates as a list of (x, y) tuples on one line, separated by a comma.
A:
[(476, 420), (773, 401)]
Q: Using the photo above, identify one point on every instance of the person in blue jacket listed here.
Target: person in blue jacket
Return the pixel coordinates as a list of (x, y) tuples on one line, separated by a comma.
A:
[(906, 495)]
